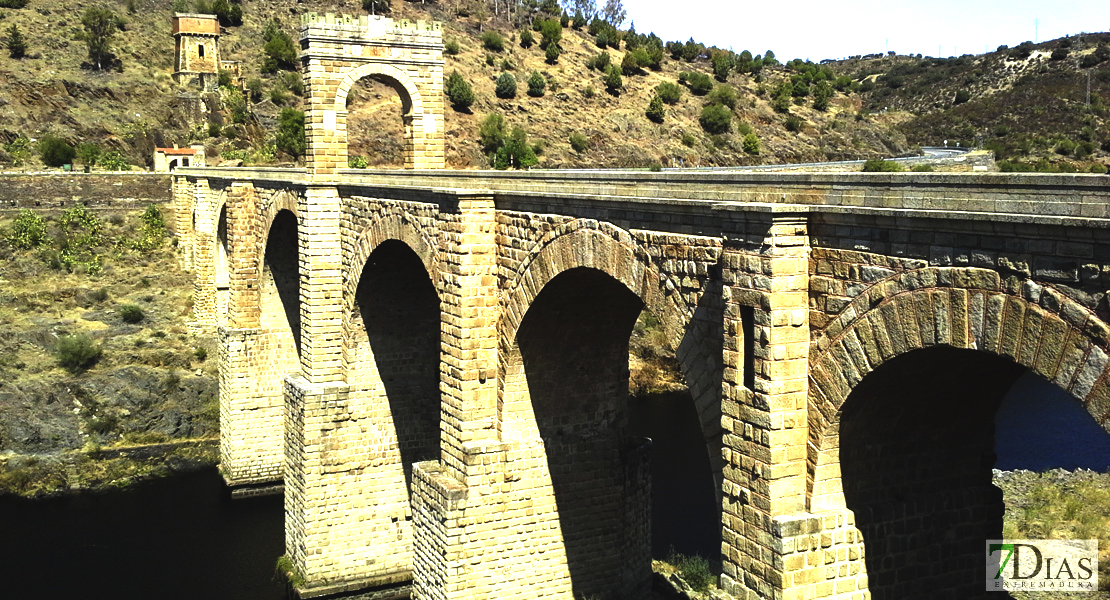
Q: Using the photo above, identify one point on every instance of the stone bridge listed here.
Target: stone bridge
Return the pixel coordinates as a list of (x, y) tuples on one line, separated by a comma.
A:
[(436, 362)]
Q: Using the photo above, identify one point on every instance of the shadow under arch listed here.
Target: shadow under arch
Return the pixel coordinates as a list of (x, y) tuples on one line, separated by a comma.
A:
[(573, 345), (916, 460), (281, 282), (398, 306), (222, 266), (696, 334)]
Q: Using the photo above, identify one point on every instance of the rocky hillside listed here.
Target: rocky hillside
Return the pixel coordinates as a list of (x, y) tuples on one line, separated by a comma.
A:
[(1027, 103), (1031, 102), (94, 348), (138, 106)]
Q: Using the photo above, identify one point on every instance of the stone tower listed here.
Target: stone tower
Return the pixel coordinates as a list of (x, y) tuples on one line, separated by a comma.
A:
[(197, 50)]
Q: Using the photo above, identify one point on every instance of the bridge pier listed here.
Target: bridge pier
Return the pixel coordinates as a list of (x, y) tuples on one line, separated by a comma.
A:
[(251, 410), (204, 260)]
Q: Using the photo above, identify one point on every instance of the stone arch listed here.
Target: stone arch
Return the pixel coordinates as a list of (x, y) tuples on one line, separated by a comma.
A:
[(1035, 326), (339, 51), (411, 101), (393, 225)]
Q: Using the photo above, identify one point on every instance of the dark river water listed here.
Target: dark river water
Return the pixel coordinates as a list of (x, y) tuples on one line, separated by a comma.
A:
[(184, 538)]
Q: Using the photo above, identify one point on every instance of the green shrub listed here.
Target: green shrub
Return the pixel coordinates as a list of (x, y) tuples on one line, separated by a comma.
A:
[(13, 3), (1065, 147), (878, 165), (493, 41), (87, 153), (506, 86), (961, 97), (551, 32), (551, 55), (507, 65), (131, 313), (55, 151), (694, 570), (254, 89), (1098, 168), (357, 162), (113, 161), (290, 136), (922, 169), (459, 92), (452, 47), (536, 84), (715, 119), (688, 139), (669, 92), (579, 142), (281, 54), (724, 95), (278, 96), (293, 82), (491, 132), (751, 143), (700, 83), (28, 231), (201, 354), (613, 82), (723, 63), (599, 62), (527, 40), (77, 353), (515, 152), (16, 42), (794, 123), (655, 110)]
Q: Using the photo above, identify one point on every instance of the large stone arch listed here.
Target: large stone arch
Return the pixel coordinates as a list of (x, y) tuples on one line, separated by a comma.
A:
[(392, 225), (904, 386), (1035, 326), (339, 51)]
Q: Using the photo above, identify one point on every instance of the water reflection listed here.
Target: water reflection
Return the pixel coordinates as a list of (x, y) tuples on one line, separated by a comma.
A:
[(179, 538)]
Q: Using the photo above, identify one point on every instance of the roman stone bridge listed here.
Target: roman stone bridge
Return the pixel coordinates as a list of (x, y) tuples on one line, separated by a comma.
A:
[(436, 362)]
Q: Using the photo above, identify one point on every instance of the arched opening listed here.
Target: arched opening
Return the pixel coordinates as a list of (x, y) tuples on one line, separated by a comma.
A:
[(173, 164), (675, 401), (223, 272), (281, 286), (916, 458), (573, 355), (398, 307), (379, 126)]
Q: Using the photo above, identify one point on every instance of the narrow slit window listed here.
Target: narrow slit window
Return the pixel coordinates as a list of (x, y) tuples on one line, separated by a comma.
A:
[(747, 323), (200, 50)]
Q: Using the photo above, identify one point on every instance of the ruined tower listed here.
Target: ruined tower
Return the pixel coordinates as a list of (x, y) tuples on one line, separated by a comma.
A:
[(197, 50)]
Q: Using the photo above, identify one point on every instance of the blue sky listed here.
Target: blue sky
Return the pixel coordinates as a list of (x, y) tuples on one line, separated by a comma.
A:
[(835, 29)]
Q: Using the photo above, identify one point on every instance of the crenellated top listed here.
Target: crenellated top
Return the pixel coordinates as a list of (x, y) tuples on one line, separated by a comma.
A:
[(367, 27)]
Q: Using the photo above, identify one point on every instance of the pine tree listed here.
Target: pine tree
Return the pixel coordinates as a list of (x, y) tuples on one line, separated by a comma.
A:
[(459, 92), (655, 110), (17, 44), (613, 81), (536, 84)]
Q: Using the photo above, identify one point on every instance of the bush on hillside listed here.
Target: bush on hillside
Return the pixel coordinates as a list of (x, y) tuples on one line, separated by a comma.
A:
[(751, 144), (28, 231), (578, 142), (599, 62), (290, 136), (77, 353), (452, 47), (655, 110), (493, 41), (506, 86), (668, 92), (526, 38), (551, 55), (700, 84), (613, 82), (16, 43), (131, 313), (281, 54), (715, 119), (794, 123), (961, 97), (459, 92), (491, 132), (724, 95), (536, 84), (551, 32), (55, 151)]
